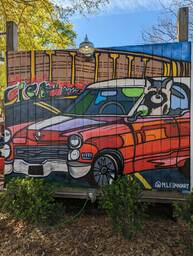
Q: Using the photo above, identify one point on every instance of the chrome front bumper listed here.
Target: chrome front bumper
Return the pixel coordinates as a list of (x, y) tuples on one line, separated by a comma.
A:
[(75, 169), (21, 167), (78, 170)]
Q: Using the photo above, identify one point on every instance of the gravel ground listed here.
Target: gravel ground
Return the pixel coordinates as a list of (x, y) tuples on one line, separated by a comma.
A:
[(92, 234)]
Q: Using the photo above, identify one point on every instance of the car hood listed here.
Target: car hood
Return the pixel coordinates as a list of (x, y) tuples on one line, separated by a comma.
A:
[(68, 124)]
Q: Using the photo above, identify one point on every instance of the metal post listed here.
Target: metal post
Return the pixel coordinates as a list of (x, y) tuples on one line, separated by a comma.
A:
[(191, 122), (182, 24), (11, 36)]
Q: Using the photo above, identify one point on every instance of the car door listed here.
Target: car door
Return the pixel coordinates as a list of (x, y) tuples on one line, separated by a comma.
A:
[(184, 129), (156, 143), (180, 109)]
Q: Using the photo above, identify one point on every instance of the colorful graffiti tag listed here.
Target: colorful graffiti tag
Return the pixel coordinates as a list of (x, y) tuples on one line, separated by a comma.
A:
[(22, 91), (130, 114)]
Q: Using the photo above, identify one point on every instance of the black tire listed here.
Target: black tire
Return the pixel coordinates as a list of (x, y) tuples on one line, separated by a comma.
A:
[(105, 169), (185, 170)]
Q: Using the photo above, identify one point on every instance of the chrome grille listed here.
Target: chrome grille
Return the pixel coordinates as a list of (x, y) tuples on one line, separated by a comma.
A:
[(38, 154)]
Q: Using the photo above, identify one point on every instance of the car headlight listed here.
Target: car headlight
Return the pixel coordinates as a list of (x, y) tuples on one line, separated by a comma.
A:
[(74, 155), (7, 136), (75, 141), (6, 151)]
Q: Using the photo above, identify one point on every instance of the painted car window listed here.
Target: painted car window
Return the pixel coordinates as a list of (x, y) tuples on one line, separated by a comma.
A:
[(102, 96), (108, 93), (133, 92), (98, 101), (179, 98)]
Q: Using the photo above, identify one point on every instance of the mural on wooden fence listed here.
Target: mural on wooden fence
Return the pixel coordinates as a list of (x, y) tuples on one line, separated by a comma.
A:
[(84, 122)]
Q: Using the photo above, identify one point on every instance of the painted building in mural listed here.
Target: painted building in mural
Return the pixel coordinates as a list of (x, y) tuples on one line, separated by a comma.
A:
[(85, 121)]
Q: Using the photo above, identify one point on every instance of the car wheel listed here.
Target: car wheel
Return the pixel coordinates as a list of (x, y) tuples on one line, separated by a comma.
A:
[(104, 170), (185, 170)]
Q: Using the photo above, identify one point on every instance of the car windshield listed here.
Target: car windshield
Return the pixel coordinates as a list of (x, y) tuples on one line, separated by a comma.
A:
[(115, 101)]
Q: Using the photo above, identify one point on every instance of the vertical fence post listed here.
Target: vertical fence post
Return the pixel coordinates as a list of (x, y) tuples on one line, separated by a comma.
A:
[(182, 24), (11, 36)]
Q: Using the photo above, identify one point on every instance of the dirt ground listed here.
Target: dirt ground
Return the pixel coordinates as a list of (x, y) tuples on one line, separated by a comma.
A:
[(92, 234)]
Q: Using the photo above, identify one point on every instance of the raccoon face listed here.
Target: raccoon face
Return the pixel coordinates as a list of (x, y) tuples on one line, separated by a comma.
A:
[(157, 96)]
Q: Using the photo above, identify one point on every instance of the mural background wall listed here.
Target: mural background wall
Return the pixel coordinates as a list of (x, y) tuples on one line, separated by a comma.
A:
[(83, 121)]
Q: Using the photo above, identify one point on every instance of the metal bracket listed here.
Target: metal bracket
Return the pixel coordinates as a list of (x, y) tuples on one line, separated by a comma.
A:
[(92, 195)]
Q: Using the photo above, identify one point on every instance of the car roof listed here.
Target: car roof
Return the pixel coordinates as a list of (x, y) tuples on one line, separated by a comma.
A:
[(118, 83), (131, 82)]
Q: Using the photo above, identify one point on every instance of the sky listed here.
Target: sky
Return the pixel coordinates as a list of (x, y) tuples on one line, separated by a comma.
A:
[(119, 23)]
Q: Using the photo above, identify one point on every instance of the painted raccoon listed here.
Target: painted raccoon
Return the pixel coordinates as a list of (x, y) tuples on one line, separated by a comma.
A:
[(157, 96)]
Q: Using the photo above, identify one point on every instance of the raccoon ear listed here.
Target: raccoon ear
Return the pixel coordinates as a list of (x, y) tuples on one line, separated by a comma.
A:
[(148, 82), (168, 82)]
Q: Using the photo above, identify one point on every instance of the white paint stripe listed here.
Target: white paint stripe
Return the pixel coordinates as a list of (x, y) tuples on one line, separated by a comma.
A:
[(191, 118), (118, 83), (49, 122)]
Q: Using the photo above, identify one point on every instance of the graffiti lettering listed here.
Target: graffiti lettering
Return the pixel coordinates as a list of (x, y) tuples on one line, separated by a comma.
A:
[(23, 91)]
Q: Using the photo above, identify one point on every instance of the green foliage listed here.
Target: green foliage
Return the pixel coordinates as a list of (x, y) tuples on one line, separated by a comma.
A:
[(42, 24), (121, 202), (31, 200), (185, 211)]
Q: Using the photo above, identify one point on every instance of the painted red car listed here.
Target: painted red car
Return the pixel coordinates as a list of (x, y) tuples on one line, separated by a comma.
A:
[(114, 127), (2, 164)]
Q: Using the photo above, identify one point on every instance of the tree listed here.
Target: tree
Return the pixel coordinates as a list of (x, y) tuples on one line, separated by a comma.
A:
[(165, 30), (43, 24)]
